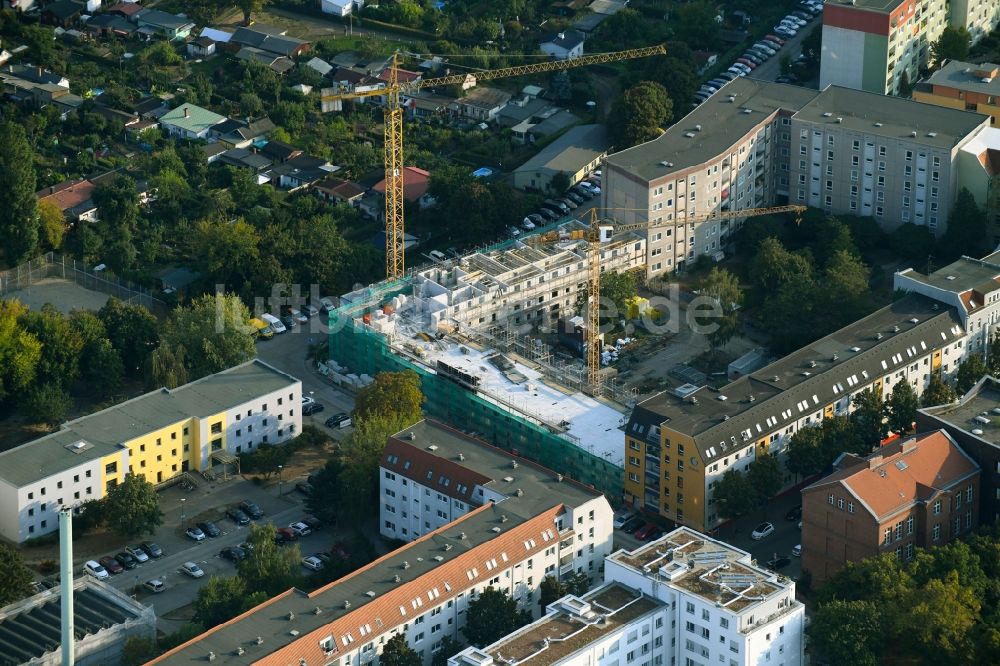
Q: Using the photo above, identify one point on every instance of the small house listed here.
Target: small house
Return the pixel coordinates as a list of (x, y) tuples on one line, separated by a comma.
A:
[(564, 44)]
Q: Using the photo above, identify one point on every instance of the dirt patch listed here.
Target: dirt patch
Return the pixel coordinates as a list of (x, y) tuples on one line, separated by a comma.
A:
[(66, 295)]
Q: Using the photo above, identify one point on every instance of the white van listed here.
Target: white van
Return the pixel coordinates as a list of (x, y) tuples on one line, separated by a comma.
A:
[(274, 323)]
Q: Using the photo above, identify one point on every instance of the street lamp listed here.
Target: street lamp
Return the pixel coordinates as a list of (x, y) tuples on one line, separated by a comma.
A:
[(280, 467), (182, 511)]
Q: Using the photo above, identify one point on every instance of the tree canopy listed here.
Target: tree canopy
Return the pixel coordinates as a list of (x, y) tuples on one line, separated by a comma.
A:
[(16, 581), (397, 652), (19, 224), (970, 371), (492, 615), (937, 392), (223, 598), (901, 408), (395, 395), (132, 507), (734, 495), (724, 288), (269, 568), (953, 44), (215, 333), (640, 114)]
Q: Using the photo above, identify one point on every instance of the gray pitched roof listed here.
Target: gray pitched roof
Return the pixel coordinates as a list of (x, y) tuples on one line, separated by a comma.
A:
[(576, 148)]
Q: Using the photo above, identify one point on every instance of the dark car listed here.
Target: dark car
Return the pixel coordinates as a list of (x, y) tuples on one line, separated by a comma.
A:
[(779, 562), (210, 529), (335, 420), (111, 564), (126, 560), (632, 524), (536, 219), (574, 197), (237, 516), (251, 509), (289, 321), (312, 408), (233, 553), (795, 513), (151, 549), (304, 487), (645, 531), (283, 535), (314, 523)]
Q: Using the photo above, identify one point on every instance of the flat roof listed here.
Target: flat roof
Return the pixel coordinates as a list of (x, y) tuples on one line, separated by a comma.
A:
[(983, 400), (881, 6), (374, 594), (891, 117), (962, 76), (804, 381), (716, 571), (961, 275), (556, 636), (104, 432), (716, 125), (572, 151), (31, 628)]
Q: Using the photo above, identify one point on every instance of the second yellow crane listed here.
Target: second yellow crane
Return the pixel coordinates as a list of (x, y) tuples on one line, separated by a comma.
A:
[(393, 113)]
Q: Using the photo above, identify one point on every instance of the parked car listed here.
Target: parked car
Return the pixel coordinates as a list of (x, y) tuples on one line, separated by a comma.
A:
[(797, 550), (233, 553), (274, 323), (297, 314), (192, 569), (237, 516), (583, 192), (126, 560), (798, 20), (312, 562), (339, 420), (289, 321), (549, 215), (209, 529), (785, 31), (304, 487), (728, 76), (195, 533), (766, 48), (536, 219), (802, 14), (645, 531), (556, 205), (795, 513), (313, 522), (777, 40), (301, 529), (779, 562), (155, 585), (152, 549), (138, 553), (569, 203), (620, 519), (587, 184), (753, 57), (313, 408), (761, 531), (527, 224), (251, 509), (285, 535), (633, 524), (771, 44), (92, 568), (111, 564), (327, 304), (574, 197)]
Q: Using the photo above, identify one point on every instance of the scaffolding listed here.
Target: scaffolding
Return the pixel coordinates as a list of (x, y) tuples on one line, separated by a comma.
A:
[(499, 421)]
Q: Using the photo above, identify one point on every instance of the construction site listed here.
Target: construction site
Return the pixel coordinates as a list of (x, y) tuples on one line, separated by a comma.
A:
[(478, 332)]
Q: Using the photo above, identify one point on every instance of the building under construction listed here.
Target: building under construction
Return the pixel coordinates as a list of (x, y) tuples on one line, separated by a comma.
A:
[(469, 328)]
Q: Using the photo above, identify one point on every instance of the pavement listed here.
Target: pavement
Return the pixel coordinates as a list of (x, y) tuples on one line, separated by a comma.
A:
[(770, 69)]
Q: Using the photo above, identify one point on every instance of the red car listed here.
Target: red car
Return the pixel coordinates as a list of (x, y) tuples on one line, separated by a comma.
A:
[(777, 40), (111, 564), (645, 531), (749, 63)]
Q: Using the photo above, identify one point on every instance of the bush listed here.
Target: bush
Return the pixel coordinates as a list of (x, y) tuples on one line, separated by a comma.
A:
[(45, 567)]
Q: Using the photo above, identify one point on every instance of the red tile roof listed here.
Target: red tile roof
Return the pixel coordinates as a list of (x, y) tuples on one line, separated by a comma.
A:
[(415, 183), (402, 75), (445, 476), (904, 473), (67, 195)]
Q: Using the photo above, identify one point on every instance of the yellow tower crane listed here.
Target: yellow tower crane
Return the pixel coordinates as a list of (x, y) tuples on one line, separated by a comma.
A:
[(594, 236), (393, 113)]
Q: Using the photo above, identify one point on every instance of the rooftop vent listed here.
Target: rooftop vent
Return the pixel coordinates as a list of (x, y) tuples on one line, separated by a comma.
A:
[(259, 641), (461, 536), (812, 364), (775, 378), (508, 479), (461, 456), (495, 528), (317, 611), (293, 632), (694, 400), (949, 277), (834, 358), (732, 98), (559, 478), (503, 518), (913, 133), (855, 349), (879, 336), (291, 616), (397, 579), (406, 565), (448, 546), (411, 436), (438, 558), (751, 398), (914, 321), (664, 163), (347, 604), (977, 431), (878, 124), (697, 128), (807, 374), (519, 492), (689, 135), (725, 417), (432, 447), (513, 464), (932, 134), (827, 114), (747, 110), (895, 329), (839, 120), (722, 397), (211, 655)]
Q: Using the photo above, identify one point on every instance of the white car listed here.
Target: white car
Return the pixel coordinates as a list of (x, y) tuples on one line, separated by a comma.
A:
[(138, 553), (763, 48), (312, 562), (761, 531), (527, 224), (794, 20), (741, 67), (514, 232), (192, 569), (797, 550), (155, 585), (297, 315), (327, 304), (307, 400), (92, 568), (195, 533), (301, 528), (621, 518)]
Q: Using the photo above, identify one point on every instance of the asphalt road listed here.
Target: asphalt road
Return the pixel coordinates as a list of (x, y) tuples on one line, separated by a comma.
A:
[(770, 69)]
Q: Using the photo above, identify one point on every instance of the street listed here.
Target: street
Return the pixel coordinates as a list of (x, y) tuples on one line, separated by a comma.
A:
[(770, 69)]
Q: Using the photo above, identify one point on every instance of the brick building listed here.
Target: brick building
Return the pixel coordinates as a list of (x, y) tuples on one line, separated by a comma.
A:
[(918, 492)]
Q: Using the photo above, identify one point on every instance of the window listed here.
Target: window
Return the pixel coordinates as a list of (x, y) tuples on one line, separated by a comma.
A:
[(936, 533), (937, 508), (110, 468), (217, 427)]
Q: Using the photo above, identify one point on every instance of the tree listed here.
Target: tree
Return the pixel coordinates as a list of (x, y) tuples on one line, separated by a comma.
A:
[(397, 653), (867, 417), (848, 632), (166, 367), (724, 288), (696, 22), (939, 616), (551, 589), (901, 407), (132, 330), (18, 204), (250, 7), (223, 598), (52, 223), (734, 494), (492, 615), (845, 296), (132, 507), (61, 345), (911, 241), (773, 266), (804, 455), (20, 351), (937, 392), (47, 403), (325, 500), (137, 650), (16, 581), (764, 475), (361, 454), (616, 288), (966, 227), (228, 251), (269, 568), (117, 203), (449, 648), (215, 333), (639, 114), (395, 395), (970, 371), (993, 356), (953, 44)]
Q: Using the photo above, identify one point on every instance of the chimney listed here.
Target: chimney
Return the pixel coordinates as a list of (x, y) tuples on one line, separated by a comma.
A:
[(562, 35), (66, 584), (39, 70), (186, 115)]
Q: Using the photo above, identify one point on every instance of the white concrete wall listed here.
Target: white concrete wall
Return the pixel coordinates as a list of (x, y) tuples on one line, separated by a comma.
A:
[(408, 510), (842, 59), (28, 514)]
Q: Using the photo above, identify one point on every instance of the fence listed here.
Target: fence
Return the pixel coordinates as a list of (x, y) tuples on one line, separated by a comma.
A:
[(52, 265)]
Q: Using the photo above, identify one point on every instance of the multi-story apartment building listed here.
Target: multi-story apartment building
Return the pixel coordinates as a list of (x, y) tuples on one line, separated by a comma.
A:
[(523, 285), (756, 144), (969, 286), (879, 45), (914, 493), (679, 444), (157, 435), (963, 85), (528, 523), (973, 422), (884, 157), (683, 599), (979, 172)]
